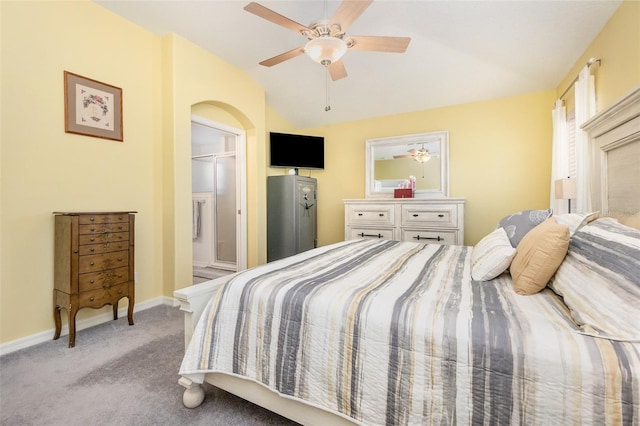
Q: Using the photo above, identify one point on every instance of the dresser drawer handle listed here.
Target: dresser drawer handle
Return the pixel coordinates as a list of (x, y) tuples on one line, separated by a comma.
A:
[(362, 234), (119, 217), (440, 215), (438, 238), (415, 215), (120, 236), (93, 229), (91, 281), (119, 227), (360, 214), (92, 249), (92, 218), (119, 291), (92, 239), (91, 263), (119, 259), (91, 299), (381, 214)]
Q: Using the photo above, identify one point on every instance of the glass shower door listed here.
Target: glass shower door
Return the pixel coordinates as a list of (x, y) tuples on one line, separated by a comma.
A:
[(225, 209)]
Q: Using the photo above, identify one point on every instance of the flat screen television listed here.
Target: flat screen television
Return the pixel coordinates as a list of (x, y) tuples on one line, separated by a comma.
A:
[(296, 151)]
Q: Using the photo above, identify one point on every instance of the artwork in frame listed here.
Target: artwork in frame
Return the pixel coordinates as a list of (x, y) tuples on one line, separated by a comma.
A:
[(92, 108)]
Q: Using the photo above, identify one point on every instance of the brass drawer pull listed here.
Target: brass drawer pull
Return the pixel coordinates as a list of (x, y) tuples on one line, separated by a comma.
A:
[(92, 218), (92, 249), (92, 239), (119, 259), (92, 299), (92, 281), (91, 263), (92, 229)]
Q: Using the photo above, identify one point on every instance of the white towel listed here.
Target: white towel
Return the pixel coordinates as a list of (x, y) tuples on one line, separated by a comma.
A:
[(195, 233)]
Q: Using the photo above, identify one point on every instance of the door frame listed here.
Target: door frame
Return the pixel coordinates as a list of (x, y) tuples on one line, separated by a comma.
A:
[(241, 185)]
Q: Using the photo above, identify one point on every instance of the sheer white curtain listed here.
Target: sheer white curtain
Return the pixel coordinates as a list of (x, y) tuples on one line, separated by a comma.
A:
[(559, 155), (585, 95)]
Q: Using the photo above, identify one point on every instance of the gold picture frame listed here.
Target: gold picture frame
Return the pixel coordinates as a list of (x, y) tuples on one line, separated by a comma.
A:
[(92, 108)]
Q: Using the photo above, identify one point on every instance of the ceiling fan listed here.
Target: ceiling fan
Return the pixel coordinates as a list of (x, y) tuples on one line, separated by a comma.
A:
[(327, 39), (421, 155)]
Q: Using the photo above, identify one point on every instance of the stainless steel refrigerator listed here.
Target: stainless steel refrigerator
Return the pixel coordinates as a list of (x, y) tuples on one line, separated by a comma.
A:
[(292, 203)]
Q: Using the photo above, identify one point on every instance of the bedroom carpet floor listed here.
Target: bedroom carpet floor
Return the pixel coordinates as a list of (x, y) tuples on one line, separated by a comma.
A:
[(116, 375)]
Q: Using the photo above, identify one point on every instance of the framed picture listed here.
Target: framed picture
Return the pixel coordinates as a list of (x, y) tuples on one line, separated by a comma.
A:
[(92, 108)]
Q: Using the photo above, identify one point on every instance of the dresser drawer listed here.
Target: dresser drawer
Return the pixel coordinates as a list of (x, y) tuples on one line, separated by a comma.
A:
[(430, 215), (101, 228), (96, 280), (429, 236), (103, 238), (101, 297), (103, 248), (373, 214), (100, 262), (102, 218), (382, 233)]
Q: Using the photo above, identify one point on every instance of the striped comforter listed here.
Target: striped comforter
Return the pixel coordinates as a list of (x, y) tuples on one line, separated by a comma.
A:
[(397, 333)]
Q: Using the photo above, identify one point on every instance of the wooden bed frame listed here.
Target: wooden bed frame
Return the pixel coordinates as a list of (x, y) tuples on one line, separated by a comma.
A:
[(616, 128)]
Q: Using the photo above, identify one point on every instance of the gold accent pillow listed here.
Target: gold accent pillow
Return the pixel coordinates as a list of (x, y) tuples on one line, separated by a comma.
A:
[(538, 256)]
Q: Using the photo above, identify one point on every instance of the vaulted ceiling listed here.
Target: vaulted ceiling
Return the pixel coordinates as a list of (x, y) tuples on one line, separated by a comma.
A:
[(460, 51)]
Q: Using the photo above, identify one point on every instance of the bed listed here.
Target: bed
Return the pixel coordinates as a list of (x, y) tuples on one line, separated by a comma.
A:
[(387, 332)]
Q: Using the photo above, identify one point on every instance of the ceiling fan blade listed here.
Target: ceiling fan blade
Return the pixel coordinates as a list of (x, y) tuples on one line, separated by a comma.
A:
[(282, 57), (276, 18), (348, 12), (379, 43), (403, 156), (337, 70)]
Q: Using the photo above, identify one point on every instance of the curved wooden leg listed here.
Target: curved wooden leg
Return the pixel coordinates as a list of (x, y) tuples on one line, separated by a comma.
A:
[(115, 310), (58, 321), (193, 394), (130, 310), (72, 326)]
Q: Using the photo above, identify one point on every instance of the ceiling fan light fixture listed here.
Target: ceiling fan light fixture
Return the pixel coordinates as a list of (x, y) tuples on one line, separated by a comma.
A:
[(422, 156), (326, 49)]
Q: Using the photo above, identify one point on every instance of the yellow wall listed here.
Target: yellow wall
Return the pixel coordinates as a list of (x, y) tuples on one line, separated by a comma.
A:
[(618, 47), (500, 150), (499, 159), (43, 169)]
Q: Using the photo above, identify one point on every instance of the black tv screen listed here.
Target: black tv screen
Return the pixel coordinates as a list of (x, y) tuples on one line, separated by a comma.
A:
[(296, 151)]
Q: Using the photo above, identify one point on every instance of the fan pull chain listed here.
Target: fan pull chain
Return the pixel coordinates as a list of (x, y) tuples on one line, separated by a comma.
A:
[(328, 97)]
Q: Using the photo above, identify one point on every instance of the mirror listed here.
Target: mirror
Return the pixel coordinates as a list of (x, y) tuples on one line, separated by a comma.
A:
[(390, 161)]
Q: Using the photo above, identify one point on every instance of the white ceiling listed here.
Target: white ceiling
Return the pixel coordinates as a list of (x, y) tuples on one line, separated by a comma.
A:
[(460, 51)]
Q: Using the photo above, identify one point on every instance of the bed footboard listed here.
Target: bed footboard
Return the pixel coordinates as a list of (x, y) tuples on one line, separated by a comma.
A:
[(194, 299)]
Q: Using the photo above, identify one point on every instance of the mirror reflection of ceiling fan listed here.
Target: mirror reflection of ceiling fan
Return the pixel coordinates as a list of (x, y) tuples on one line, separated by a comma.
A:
[(327, 39), (421, 155)]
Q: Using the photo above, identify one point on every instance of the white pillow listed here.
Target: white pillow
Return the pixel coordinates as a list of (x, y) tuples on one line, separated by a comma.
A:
[(491, 256)]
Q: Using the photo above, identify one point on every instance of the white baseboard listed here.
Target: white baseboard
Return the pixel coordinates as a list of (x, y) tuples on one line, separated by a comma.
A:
[(44, 336)]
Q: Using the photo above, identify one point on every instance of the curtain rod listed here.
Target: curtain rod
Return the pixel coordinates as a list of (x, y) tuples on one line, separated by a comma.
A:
[(590, 62)]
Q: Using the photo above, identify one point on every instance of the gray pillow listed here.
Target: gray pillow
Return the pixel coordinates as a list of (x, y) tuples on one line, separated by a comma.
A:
[(518, 224)]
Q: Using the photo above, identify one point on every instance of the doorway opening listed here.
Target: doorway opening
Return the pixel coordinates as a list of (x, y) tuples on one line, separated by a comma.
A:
[(218, 197)]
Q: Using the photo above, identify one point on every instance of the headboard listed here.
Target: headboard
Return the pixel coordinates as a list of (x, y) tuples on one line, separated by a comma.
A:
[(614, 140)]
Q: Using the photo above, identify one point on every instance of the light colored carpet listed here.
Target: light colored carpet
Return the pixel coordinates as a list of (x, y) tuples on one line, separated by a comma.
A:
[(116, 375)]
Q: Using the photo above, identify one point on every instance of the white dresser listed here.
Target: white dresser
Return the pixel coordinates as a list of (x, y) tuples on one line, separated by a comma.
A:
[(437, 221)]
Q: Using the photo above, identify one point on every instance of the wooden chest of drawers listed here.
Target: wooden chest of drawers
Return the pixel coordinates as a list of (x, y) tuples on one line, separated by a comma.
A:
[(94, 264), (436, 221)]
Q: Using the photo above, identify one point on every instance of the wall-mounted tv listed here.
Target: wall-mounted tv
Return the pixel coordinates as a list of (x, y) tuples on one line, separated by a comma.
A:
[(296, 151)]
